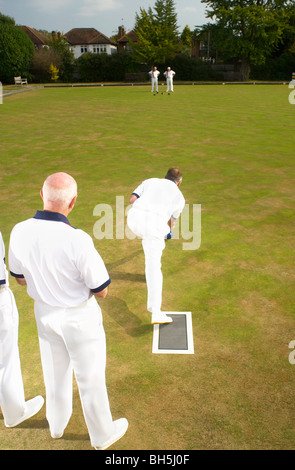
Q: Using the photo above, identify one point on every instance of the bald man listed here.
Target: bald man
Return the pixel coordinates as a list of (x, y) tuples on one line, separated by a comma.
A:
[(65, 275)]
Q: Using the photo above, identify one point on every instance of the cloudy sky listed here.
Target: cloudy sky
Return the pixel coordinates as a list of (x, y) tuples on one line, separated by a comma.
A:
[(104, 15)]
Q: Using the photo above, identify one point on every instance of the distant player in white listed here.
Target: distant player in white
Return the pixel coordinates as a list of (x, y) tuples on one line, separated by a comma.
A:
[(64, 275), (154, 74), (12, 398), (156, 204), (169, 74)]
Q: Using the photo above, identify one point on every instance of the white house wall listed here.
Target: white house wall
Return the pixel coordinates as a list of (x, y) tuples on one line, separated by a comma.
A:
[(93, 48)]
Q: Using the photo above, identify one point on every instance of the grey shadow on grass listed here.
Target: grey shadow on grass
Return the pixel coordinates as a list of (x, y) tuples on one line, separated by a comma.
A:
[(43, 424), (123, 276), (75, 437), (118, 310), (116, 307), (124, 260), (34, 423)]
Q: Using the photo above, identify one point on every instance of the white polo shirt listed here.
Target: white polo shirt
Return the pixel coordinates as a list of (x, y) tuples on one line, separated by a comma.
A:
[(59, 262), (161, 197), (154, 73), (3, 270), (169, 74)]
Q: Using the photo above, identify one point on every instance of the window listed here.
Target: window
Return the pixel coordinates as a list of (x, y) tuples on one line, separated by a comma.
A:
[(83, 49)]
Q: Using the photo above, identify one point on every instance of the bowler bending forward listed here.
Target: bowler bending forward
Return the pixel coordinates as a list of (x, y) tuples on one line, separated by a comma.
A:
[(156, 204), (64, 273)]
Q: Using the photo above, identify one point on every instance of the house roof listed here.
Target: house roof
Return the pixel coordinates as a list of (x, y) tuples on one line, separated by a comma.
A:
[(36, 37), (131, 35), (79, 36)]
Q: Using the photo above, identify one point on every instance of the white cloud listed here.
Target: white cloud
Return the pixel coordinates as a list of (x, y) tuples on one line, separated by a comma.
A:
[(91, 7)]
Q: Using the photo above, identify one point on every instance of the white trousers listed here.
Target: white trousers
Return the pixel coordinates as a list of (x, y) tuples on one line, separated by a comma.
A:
[(169, 84), (12, 396), (154, 84), (73, 339), (151, 229), (153, 249)]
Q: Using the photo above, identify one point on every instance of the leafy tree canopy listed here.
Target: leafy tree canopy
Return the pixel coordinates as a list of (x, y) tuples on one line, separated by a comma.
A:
[(157, 32), (16, 50), (249, 30)]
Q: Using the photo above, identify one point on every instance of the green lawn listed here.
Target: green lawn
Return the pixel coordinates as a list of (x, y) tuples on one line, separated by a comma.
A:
[(235, 147)]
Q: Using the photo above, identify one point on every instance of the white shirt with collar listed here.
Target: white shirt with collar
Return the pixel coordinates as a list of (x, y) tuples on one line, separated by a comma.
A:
[(59, 262), (154, 73), (160, 196), (169, 74)]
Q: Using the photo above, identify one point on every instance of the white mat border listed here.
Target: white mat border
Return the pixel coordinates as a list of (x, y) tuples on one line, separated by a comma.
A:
[(190, 339)]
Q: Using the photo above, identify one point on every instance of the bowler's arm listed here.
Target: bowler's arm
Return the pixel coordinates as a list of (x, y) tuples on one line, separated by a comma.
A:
[(21, 281), (102, 294), (172, 223), (133, 198)]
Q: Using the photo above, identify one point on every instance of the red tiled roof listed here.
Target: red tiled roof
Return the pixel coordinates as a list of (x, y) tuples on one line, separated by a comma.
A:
[(131, 35), (36, 37), (77, 36)]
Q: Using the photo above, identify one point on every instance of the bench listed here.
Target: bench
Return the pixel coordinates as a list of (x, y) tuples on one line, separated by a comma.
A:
[(20, 81)]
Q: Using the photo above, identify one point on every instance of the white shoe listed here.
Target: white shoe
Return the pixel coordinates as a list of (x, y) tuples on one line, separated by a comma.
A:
[(161, 318), (121, 426), (31, 408), (56, 435)]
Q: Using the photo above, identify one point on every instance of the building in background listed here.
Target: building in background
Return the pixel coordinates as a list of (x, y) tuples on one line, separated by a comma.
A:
[(38, 39), (82, 40)]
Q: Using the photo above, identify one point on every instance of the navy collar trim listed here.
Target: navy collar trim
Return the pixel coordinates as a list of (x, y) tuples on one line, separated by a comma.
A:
[(170, 179), (53, 216)]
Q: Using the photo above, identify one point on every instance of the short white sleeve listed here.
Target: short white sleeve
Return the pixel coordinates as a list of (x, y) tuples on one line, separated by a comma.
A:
[(139, 190), (91, 266), (180, 207), (15, 265)]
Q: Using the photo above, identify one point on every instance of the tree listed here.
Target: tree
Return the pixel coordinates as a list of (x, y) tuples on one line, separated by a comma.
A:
[(60, 46), (53, 71), (250, 29), (157, 32), (16, 50), (58, 54), (41, 63), (186, 37)]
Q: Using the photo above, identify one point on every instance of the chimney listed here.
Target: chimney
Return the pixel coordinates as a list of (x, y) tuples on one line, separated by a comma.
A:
[(121, 32)]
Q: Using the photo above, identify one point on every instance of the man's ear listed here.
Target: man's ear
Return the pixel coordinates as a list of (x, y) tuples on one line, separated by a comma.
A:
[(41, 193), (72, 203)]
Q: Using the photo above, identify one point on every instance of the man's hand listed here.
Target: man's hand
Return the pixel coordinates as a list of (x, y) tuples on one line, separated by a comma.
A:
[(172, 223), (169, 236)]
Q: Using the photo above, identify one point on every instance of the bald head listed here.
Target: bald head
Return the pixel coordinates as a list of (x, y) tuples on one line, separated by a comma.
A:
[(59, 192)]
